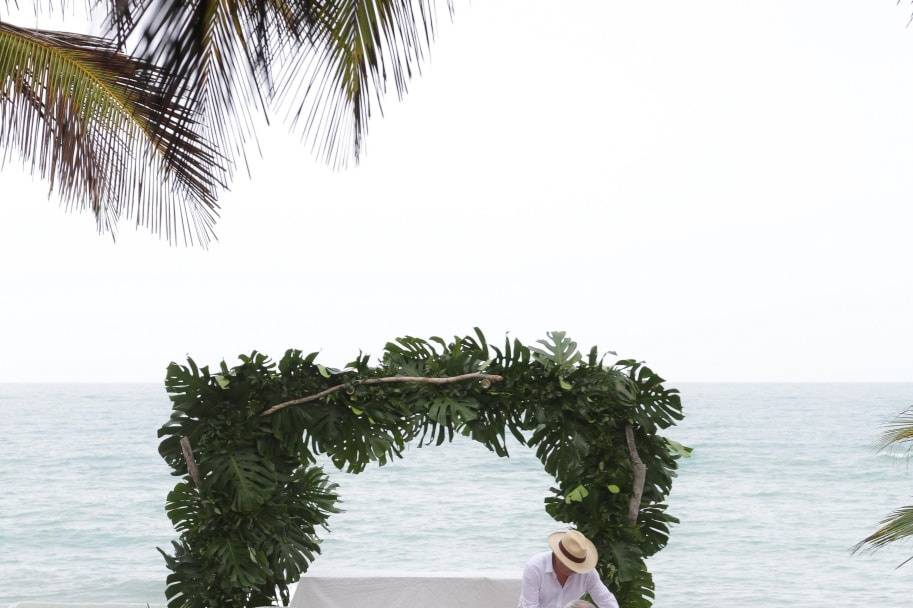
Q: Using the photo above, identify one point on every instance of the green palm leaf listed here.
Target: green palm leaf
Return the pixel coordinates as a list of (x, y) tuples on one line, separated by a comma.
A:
[(899, 433), (898, 525), (333, 59), (354, 48), (219, 54), (99, 127)]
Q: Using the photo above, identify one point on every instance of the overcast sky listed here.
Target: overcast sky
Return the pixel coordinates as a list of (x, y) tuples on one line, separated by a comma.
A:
[(720, 188)]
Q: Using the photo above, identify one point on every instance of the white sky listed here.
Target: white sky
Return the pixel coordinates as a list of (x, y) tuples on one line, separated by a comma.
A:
[(721, 188)]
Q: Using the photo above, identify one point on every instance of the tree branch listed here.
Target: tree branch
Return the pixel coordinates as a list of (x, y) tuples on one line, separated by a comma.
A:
[(485, 378), (640, 476), (191, 463)]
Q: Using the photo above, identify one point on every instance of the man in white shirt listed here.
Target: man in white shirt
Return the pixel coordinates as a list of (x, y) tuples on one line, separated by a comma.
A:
[(554, 578)]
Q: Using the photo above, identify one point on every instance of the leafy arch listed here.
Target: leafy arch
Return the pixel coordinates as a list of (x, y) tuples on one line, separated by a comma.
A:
[(251, 498)]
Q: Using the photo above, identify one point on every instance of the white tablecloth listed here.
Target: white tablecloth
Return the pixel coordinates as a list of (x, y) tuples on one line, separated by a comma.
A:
[(406, 592)]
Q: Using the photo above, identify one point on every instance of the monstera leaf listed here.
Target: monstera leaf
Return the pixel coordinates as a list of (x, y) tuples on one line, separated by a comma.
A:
[(238, 564), (185, 586), (183, 507), (446, 414), (628, 559), (292, 554), (560, 351), (250, 480), (637, 593)]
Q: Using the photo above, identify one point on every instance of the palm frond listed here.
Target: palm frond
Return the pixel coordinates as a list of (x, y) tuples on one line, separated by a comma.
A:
[(99, 127), (220, 54), (897, 526), (333, 59), (899, 433), (120, 18), (354, 47), (117, 12)]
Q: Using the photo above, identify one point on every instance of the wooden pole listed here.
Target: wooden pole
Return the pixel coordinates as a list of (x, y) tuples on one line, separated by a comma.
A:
[(191, 463), (640, 476)]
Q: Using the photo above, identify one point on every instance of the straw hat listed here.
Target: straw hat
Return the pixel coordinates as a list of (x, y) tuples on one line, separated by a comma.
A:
[(574, 550)]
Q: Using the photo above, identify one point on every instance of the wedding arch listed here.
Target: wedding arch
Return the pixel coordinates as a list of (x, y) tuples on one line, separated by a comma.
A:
[(251, 497)]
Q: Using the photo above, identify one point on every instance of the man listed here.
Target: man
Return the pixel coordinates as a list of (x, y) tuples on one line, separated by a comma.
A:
[(554, 578)]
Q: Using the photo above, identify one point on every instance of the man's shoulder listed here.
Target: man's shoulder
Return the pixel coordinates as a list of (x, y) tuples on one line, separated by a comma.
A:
[(539, 560)]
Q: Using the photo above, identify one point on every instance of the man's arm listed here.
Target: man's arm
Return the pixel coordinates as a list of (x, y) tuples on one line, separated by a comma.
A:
[(599, 592), (529, 592)]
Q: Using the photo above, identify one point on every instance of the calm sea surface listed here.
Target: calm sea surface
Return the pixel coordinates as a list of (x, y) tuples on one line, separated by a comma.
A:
[(782, 483)]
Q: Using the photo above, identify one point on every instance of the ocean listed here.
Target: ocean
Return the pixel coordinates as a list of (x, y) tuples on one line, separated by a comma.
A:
[(783, 481)]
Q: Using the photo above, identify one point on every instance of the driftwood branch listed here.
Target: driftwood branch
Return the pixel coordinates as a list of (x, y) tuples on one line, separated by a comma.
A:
[(640, 476), (485, 378), (191, 463)]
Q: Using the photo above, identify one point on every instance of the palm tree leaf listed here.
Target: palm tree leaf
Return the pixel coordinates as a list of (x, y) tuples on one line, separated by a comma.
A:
[(354, 48), (334, 59), (897, 526), (118, 14), (220, 55), (120, 18), (99, 127), (899, 433)]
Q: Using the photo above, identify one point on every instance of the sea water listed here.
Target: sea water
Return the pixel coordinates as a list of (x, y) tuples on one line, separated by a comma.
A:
[(783, 481)]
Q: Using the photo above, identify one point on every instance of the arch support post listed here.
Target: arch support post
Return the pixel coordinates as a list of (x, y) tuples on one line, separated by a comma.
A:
[(187, 450), (640, 476)]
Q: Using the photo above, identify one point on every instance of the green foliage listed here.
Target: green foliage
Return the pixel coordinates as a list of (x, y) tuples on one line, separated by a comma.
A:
[(898, 526), (250, 529), (105, 132), (149, 122)]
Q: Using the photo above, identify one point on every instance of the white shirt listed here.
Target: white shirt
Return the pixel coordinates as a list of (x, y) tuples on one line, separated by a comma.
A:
[(541, 588)]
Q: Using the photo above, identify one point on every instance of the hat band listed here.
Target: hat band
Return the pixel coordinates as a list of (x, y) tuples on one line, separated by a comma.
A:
[(576, 560)]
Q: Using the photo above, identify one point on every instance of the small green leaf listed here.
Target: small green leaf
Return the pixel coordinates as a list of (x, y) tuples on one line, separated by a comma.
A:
[(678, 449), (221, 380), (576, 495), (356, 410), (614, 489), (565, 384), (323, 371)]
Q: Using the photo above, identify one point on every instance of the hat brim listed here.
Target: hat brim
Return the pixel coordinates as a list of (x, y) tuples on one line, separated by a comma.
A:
[(592, 556)]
